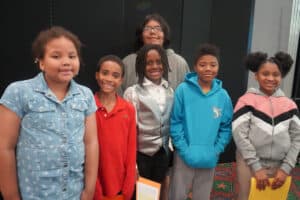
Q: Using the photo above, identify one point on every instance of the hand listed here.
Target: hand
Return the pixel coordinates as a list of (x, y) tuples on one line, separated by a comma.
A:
[(279, 179), (262, 180), (86, 195)]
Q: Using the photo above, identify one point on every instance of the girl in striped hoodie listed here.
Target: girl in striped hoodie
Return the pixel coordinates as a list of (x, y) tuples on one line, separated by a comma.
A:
[(266, 126)]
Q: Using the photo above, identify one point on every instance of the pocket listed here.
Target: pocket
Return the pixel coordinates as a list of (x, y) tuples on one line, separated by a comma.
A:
[(49, 182), (40, 115), (201, 156), (78, 108)]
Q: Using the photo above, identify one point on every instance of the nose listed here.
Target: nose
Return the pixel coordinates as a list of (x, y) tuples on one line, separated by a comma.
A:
[(66, 61), (270, 78), (108, 78), (207, 67)]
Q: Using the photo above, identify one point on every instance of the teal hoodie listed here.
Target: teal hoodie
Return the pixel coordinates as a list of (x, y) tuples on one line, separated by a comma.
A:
[(200, 123)]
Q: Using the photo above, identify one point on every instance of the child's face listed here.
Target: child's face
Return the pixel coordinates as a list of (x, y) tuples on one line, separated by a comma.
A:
[(109, 77), (60, 62), (268, 77), (153, 34), (207, 68), (154, 67)]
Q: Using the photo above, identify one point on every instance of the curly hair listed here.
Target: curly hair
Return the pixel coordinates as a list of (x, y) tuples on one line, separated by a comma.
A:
[(207, 49), (112, 58), (255, 60)]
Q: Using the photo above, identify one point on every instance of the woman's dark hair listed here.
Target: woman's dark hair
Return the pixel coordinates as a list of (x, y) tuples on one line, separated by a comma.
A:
[(42, 39), (112, 58), (207, 49), (164, 25), (141, 61), (255, 60)]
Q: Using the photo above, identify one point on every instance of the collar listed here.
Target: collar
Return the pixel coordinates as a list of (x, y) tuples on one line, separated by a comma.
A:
[(120, 103), (41, 86), (163, 83)]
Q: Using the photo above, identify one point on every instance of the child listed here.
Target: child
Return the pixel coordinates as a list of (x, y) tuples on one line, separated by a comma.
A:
[(153, 98), (200, 127), (266, 126), (48, 146), (116, 132)]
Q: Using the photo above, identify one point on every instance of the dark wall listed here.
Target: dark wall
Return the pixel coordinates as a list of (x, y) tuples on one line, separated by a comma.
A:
[(231, 31), (108, 27)]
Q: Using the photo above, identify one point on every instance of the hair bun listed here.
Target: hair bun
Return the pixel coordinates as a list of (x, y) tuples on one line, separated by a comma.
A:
[(254, 60), (285, 61)]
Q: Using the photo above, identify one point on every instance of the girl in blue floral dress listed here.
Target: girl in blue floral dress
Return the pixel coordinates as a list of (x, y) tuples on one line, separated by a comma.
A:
[(48, 146)]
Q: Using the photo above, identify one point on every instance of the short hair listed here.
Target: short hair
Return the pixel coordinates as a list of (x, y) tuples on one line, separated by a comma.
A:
[(54, 32), (141, 61), (255, 60), (112, 58), (164, 25), (207, 49)]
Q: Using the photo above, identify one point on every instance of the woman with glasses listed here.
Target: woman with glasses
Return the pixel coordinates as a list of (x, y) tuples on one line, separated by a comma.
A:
[(155, 30)]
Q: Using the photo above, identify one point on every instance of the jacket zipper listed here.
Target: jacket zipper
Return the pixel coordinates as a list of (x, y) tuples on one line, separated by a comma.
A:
[(273, 124)]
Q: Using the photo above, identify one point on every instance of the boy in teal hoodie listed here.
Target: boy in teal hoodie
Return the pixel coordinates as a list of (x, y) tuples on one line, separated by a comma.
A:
[(200, 127)]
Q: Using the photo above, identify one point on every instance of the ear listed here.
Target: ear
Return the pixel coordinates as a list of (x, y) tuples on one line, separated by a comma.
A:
[(194, 67), (41, 65), (122, 79), (96, 75)]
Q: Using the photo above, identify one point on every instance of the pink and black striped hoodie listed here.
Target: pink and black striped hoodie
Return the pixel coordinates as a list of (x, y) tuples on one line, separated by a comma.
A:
[(266, 130)]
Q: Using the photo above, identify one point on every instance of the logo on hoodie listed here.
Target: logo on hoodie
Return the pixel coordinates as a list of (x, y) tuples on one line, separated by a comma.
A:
[(217, 112)]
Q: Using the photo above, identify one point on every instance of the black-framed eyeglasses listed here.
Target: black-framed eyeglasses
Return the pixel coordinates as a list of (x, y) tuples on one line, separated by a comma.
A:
[(153, 28)]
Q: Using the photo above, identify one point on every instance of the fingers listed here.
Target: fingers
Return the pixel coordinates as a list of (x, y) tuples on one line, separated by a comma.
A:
[(262, 184), (277, 183)]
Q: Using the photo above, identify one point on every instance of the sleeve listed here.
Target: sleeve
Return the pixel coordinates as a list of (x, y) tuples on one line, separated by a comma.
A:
[(224, 135), (91, 102), (131, 96), (291, 157), (129, 73), (129, 183), (240, 131), (177, 123), (13, 100)]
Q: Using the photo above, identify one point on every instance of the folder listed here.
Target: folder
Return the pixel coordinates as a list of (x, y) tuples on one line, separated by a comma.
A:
[(118, 197), (270, 194), (147, 189)]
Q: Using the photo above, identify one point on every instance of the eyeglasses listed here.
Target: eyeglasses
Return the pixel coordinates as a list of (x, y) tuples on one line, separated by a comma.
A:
[(154, 28)]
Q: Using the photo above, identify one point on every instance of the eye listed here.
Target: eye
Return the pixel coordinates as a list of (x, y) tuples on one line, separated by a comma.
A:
[(104, 72), (73, 56), (116, 75), (158, 62), (55, 56), (150, 62)]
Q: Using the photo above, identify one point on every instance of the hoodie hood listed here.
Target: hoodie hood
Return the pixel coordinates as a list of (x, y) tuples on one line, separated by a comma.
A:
[(277, 93), (192, 78)]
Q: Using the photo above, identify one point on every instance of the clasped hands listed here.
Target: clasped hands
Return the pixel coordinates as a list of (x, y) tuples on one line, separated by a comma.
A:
[(262, 180)]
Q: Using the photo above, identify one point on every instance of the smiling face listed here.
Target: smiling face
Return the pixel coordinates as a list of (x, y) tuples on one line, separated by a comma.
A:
[(109, 77), (60, 62), (268, 77), (152, 33), (154, 67), (207, 68)]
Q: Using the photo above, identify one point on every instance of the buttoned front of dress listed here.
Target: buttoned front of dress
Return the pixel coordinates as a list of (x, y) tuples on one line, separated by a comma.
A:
[(50, 149)]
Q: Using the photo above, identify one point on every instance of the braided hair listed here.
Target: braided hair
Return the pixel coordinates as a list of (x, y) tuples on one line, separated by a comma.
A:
[(141, 61)]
